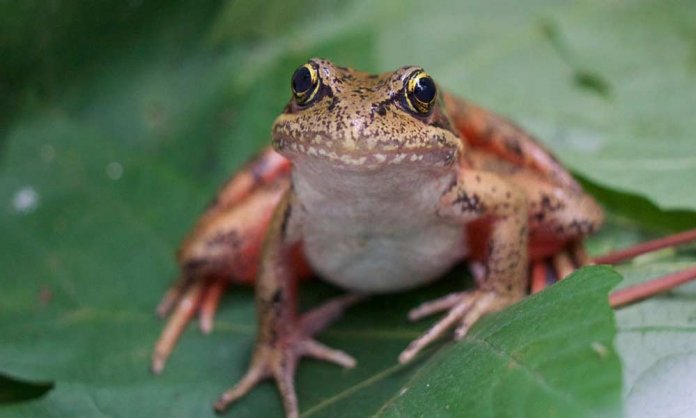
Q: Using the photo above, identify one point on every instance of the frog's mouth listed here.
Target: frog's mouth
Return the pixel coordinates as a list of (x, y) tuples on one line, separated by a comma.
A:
[(364, 159)]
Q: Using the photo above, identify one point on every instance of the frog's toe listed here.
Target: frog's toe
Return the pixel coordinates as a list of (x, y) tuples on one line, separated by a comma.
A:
[(188, 301), (209, 304), (465, 308), (279, 362), (278, 357), (319, 351), (253, 376), (435, 306), (486, 303), (181, 302)]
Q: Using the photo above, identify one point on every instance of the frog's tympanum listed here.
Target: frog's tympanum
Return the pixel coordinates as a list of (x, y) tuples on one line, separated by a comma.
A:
[(377, 184)]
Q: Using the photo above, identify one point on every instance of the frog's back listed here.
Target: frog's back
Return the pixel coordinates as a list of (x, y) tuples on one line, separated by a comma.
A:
[(494, 143)]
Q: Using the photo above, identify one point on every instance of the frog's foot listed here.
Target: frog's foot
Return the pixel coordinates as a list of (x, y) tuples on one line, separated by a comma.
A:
[(278, 357), (183, 300), (465, 308)]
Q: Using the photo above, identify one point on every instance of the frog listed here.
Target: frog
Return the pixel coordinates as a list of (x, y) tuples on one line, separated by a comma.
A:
[(377, 184)]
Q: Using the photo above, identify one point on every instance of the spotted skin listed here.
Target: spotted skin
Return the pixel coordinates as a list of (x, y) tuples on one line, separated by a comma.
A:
[(383, 196)]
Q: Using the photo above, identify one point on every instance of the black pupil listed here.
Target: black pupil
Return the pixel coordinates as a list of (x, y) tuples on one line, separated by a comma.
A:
[(301, 80), (425, 90)]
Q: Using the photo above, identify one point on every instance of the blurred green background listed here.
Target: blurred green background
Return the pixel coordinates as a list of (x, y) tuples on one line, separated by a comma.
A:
[(119, 119)]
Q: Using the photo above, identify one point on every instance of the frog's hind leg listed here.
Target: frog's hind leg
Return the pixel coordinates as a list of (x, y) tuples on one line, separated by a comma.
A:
[(185, 309), (223, 248), (546, 271)]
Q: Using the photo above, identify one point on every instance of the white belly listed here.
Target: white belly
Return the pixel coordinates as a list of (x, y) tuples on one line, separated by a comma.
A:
[(376, 231), (361, 259)]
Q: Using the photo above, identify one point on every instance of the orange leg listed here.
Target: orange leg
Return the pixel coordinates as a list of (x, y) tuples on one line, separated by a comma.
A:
[(185, 309), (209, 304), (173, 295), (538, 279)]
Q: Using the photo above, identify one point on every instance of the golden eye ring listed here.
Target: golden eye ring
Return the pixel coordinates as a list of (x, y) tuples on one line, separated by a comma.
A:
[(305, 84), (420, 93)]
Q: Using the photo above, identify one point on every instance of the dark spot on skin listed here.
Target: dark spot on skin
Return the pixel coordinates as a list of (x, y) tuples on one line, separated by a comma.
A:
[(382, 105), (550, 205), (334, 101), (513, 145), (443, 123), (452, 185), (192, 266), (229, 239), (277, 296), (538, 216), (284, 223), (469, 203), (582, 227)]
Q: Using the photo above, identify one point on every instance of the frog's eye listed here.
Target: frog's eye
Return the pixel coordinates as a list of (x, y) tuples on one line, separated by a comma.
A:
[(305, 83), (420, 92)]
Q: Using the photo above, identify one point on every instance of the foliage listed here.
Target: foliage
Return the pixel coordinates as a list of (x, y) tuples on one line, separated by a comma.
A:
[(119, 120)]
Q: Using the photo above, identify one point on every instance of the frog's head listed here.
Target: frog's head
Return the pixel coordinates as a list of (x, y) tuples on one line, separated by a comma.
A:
[(358, 120)]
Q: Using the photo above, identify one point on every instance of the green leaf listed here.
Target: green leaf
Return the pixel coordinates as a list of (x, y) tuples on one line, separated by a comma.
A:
[(505, 368), (16, 390), (120, 119)]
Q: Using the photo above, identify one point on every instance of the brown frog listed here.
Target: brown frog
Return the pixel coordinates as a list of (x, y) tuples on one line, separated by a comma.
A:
[(377, 184)]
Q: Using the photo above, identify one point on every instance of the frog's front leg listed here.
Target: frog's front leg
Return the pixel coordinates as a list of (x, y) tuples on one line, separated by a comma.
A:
[(477, 195), (283, 336)]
